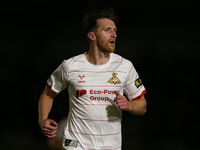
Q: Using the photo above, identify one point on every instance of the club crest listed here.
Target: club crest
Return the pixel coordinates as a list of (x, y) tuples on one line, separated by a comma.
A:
[(114, 79)]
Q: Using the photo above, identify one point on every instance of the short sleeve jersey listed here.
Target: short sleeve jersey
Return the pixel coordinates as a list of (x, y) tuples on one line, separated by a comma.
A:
[(94, 120)]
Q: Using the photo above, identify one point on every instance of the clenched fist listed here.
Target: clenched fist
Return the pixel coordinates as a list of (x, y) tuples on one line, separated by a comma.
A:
[(48, 127), (122, 102)]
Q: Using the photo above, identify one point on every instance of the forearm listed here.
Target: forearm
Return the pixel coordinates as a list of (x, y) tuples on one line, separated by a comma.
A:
[(44, 107), (138, 107), (45, 104), (48, 126)]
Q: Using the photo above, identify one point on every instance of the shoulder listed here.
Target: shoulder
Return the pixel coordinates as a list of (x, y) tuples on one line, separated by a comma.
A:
[(73, 60), (71, 63), (121, 60)]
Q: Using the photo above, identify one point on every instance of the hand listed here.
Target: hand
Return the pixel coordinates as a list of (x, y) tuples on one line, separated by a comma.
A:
[(48, 127), (122, 102)]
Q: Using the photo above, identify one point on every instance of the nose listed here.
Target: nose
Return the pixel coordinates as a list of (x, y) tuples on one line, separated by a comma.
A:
[(114, 34)]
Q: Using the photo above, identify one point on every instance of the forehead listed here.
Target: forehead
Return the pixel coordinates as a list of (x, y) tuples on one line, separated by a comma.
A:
[(104, 22)]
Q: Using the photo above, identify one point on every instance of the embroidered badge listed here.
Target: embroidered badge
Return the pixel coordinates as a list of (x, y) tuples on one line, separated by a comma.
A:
[(138, 82), (114, 79)]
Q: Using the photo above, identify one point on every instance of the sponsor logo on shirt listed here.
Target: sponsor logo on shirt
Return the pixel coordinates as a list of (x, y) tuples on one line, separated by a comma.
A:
[(81, 77), (80, 93), (98, 92), (94, 94), (114, 79), (138, 82)]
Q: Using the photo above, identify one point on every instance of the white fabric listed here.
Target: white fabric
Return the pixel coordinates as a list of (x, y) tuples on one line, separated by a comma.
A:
[(94, 120)]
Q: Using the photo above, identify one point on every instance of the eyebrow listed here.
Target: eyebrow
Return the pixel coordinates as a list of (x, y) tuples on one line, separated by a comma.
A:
[(111, 28)]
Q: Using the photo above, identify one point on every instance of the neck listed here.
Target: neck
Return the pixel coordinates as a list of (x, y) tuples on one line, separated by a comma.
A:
[(96, 56)]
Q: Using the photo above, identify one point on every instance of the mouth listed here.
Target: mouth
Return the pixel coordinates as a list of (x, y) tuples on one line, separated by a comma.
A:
[(112, 42)]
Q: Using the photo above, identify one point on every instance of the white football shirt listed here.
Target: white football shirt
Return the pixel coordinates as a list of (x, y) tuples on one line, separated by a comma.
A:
[(94, 120)]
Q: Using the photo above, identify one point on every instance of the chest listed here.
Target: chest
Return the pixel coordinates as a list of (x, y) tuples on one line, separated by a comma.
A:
[(95, 77)]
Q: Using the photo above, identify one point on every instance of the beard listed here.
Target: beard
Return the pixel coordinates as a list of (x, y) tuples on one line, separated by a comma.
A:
[(105, 46)]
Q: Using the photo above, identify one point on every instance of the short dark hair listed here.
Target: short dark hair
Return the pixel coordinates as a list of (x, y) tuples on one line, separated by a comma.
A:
[(90, 19)]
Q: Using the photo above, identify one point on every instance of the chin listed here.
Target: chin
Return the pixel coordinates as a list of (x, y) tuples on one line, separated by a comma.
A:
[(110, 50)]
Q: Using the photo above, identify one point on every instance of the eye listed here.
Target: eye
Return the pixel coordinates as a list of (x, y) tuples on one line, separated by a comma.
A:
[(107, 29)]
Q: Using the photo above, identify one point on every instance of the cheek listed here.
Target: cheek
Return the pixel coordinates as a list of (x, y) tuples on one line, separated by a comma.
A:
[(103, 39)]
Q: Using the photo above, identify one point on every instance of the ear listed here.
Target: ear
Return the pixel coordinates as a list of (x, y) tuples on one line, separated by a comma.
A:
[(91, 36)]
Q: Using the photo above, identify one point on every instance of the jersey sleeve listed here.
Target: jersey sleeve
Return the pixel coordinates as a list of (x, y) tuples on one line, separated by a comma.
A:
[(58, 79), (133, 87)]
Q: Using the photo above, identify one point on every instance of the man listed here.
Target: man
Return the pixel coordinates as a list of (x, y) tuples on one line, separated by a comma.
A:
[(96, 81)]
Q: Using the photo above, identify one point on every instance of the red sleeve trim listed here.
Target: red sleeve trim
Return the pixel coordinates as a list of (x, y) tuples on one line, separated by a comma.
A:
[(140, 96), (50, 88)]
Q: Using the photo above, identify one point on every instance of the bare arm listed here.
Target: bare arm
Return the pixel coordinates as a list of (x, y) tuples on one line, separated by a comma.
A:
[(136, 107), (48, 126)]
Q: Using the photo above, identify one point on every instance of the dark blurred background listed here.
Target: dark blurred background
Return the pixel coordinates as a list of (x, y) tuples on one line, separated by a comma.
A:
[(161, 38)]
